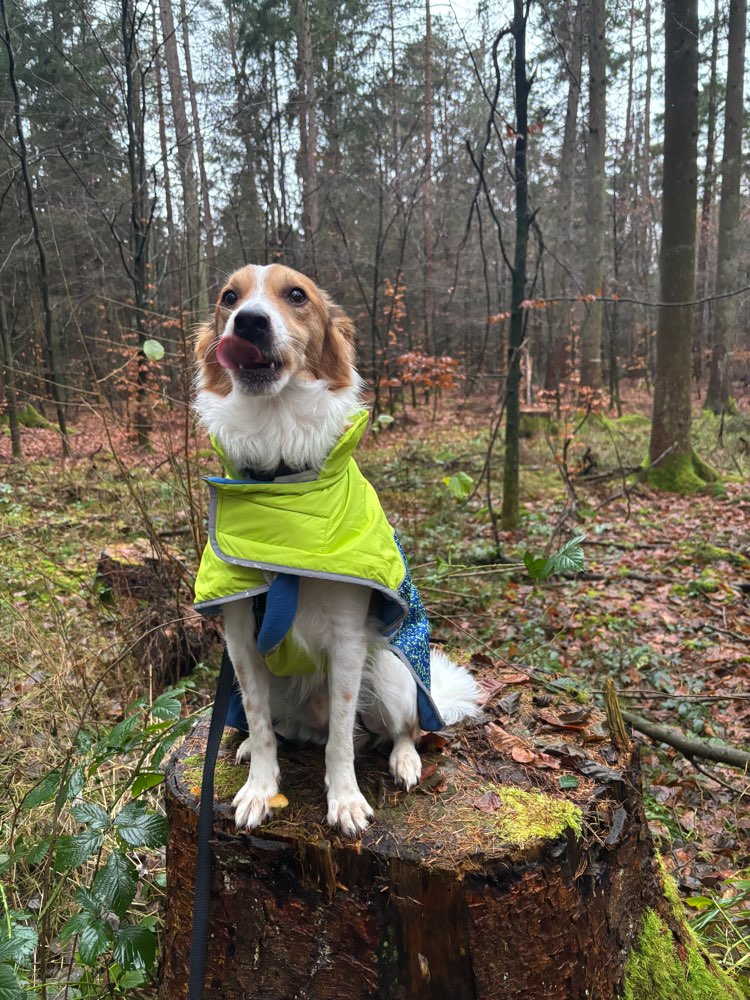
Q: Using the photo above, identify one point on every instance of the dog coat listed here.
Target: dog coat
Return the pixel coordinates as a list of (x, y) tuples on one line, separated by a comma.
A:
[(264, 536)]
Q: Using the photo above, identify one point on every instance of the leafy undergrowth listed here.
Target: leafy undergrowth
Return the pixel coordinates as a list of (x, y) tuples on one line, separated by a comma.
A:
[(660, 607)]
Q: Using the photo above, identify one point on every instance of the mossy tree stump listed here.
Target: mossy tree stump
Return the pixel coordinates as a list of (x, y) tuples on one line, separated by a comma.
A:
[(521, 869)]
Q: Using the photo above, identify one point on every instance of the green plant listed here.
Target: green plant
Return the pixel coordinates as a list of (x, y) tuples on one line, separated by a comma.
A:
[(569, 559), (722, 923), (104, 837)]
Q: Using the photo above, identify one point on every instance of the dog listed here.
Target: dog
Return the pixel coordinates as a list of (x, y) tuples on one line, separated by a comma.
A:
[(278, 391)]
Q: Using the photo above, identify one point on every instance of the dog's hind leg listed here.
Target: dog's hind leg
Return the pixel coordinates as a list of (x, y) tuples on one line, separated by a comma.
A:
[(389, 709), (251, 802)]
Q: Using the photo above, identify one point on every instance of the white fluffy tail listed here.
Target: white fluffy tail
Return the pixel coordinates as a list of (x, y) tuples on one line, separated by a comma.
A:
[(453, 689)]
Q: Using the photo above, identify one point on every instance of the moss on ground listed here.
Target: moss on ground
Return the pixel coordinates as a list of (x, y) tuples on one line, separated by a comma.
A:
[(681, 474), (656, 970), (29, 416)]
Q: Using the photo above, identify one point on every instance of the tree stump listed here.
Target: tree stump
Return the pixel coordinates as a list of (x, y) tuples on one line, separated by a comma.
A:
[(521, 868), (153, 586)]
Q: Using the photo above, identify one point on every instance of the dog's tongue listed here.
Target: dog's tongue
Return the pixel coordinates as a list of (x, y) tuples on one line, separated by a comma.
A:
[(234, 353)]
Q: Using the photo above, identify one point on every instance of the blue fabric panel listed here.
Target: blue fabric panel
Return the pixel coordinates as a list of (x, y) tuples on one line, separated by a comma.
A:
[(236, 713), (281, 607)]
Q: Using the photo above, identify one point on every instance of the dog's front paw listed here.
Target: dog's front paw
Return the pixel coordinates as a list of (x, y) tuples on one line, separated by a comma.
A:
[(349, 811), (251, 803), (405, 764)]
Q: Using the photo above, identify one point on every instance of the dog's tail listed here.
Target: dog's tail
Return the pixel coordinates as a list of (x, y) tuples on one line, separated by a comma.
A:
[(454, 691)]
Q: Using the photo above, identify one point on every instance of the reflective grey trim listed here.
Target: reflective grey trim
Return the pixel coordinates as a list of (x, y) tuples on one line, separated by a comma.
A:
[(313, 574), (404, 659), (217, 602)]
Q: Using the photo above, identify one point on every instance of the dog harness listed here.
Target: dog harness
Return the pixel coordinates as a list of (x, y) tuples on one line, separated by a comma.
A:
[(263, 536)]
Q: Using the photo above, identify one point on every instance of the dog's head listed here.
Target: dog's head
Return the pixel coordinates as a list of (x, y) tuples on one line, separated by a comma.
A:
[(272, 325)]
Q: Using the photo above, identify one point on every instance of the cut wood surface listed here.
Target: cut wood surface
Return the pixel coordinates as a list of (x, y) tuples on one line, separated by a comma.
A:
[(520, 868)]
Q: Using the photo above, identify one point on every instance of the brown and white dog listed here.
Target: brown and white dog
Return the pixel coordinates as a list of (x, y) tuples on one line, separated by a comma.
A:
[(276, 385)]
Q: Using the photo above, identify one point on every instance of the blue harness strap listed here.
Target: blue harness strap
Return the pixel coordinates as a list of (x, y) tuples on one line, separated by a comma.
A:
[(274, 613), (281, 607)]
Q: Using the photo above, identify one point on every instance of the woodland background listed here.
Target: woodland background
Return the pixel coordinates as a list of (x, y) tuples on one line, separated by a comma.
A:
[(506, 198)]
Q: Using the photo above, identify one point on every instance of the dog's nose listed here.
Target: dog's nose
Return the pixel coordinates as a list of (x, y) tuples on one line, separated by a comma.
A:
[(252, 324)]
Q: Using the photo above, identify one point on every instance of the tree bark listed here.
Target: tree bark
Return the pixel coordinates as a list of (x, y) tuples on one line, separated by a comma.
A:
[(707, 202), (717, 398), (591, 332), (510, 512), (197, 294), (670, 448), (427, 195), (140, 210), (307, 165), (9, 378), (432, 903), (566, 202), (208, 221)]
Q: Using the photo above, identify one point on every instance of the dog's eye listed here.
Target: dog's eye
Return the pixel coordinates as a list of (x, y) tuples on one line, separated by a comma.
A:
[(297, 297), (229, 297)]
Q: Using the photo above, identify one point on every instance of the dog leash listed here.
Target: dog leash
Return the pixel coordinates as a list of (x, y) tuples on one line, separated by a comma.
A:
[(273, 614), (201, 899)]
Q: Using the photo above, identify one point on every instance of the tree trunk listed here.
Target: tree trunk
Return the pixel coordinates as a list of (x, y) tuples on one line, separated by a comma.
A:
[(9, 378), (707, 202), (307, 165), (197, 295), (208, 221), (429, 230), (51, 345), (566, 202), (140, 211), (460, 889), (717, 398), (673, 463), (510, 512), (591, 332)]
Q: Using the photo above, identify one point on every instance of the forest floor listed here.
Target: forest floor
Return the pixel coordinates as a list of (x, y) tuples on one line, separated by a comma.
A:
[(662, 607)]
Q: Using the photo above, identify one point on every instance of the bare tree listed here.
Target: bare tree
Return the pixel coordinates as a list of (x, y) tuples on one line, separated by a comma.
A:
[(596, 181), (51, 344), (717, 398), (307, 163), (198, 299), (674, 465), (510, 511)]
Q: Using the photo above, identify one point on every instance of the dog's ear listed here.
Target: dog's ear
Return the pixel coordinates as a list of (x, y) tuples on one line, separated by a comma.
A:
[(337, 355), (211, 375)]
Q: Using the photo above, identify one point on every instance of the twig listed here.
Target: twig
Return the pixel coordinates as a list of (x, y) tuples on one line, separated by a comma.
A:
[(690, 746), (725, 631), (713, 777)]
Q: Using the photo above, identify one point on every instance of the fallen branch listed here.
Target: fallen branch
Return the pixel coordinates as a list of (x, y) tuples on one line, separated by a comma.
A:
[(690, 746), (647, 693)]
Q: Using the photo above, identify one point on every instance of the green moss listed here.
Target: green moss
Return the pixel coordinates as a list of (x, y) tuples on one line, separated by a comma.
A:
[(228, 778), (628, 421), (527, 816), (705, 553), (655, 969), (31, 417), (681, 474)]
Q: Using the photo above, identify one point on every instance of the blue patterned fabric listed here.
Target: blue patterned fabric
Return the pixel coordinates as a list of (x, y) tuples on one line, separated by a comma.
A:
[(412, 642)]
